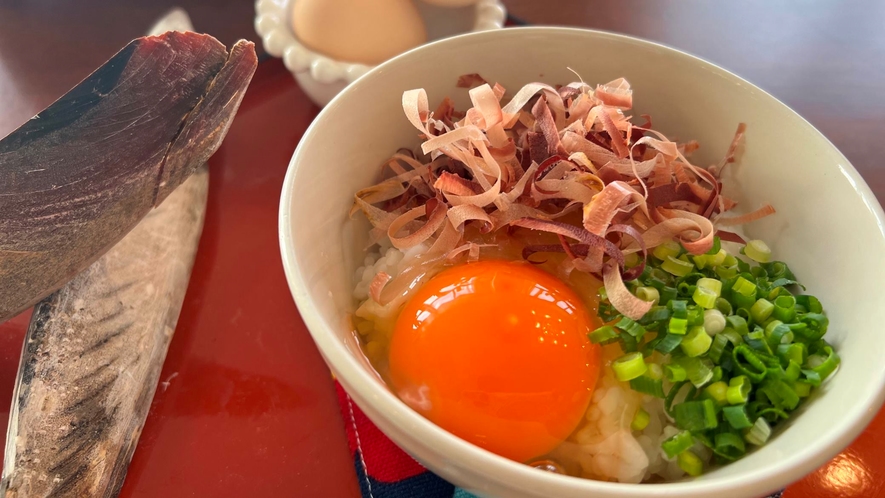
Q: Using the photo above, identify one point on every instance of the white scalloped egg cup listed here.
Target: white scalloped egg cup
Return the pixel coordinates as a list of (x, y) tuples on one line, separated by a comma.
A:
[(322, 77), (828, 227)]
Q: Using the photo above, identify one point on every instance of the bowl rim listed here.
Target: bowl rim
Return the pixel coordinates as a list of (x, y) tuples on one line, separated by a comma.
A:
[(357, 380)]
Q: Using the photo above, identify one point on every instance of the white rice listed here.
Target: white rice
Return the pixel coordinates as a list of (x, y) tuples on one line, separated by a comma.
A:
[(375, 322), (603, 447)]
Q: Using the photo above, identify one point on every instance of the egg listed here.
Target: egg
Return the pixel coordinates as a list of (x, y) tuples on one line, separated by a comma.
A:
[(497, 353), (364, 31), (451, 3)]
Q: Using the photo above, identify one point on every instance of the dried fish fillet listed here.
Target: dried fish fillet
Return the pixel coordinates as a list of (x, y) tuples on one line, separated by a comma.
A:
[(93, 355), (81, 174)]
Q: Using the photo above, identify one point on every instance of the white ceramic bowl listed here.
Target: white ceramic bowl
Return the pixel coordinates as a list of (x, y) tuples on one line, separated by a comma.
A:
[(829, 228), (322, 77)]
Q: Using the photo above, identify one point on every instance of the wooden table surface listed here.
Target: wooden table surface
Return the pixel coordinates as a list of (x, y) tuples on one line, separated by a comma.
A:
[(249, 408)]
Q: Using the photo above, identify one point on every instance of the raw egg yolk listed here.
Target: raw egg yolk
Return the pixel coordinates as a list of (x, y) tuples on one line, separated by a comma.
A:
[(496, 353)]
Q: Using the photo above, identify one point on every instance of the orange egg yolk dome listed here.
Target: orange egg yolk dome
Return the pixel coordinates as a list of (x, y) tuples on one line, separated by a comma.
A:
[(497, 353)]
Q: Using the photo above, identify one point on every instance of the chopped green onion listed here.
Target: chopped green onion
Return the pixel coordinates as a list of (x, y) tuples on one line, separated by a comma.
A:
[(738, 390), (628, 343), (777, 292), (770, 325), (736, 416), (732, 336), (703, 439), (695, 316), (778, 334), (810, 303), (776, 373), (675, 373), (734, 332), (811, 377), (648, 348), (802, 389), (698, 370), (690, 463), (739, 324), (607, 312), (717, 246), (778, 269), (769, 359), (667, 293), (656, 314), (759, 433), (670, 249), (753, 368), (718, 258), (705, 298), (710, 284), (718, 347), (816, 323), (631, 327), (697, 342), (823, 365), (679, 308), (800, 329), (729, 445), (678, 326), (793, 371), (744, 287), (645, 384), (716, 391), (655, 277), (785, 308), (640, 420), (758, 251), (629, 366), (761, 275), (726, 272), (685, 288), (717, 374), (756, 340), (655, 371), (648, 294), (695, 415), (816, 347), (796, 352), (756, 335), (723, 306), (677, 267), (714, 321), (773, 414), (631, 260), (677, 443), (669, 343), (761, 310), (604, 335), (744, 312), (781, 394)]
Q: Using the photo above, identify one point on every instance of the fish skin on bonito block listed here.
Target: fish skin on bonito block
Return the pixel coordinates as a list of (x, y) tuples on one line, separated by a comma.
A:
[(78, 176)]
